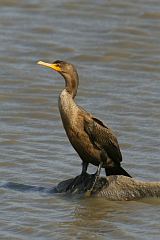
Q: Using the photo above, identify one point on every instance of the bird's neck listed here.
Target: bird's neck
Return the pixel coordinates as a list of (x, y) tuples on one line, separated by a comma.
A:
[(72, 84), (68, 108)]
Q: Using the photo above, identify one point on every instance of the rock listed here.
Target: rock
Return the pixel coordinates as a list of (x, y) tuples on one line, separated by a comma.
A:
[(112, 187)]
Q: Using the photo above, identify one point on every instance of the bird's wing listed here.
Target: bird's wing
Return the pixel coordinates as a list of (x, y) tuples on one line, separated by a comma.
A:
[(103, 138)]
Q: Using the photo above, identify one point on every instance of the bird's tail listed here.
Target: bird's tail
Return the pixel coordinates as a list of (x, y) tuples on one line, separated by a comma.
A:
[(116, 171)]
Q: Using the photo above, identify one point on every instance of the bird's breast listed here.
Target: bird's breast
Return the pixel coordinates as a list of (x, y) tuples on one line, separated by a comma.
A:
[(73, 122)]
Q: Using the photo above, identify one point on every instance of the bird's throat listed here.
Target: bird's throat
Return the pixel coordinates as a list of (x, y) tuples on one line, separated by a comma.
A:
[(71, 84)]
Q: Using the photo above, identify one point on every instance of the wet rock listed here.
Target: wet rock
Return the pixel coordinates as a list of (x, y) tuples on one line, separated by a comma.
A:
[(111, 187)]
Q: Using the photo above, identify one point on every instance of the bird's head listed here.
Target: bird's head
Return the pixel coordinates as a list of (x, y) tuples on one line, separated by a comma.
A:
[(64, 68), (68, 71)]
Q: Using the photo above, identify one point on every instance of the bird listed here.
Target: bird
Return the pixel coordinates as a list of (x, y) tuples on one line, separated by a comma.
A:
[(94, 142)]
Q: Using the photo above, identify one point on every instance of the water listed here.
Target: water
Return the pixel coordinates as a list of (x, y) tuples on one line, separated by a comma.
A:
[(116, 48)]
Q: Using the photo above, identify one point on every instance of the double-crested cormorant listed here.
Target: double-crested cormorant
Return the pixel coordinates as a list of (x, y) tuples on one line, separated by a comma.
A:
[(93, 141)]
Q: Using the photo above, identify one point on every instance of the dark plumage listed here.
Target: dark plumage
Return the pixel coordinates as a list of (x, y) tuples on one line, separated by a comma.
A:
[(94, 142)]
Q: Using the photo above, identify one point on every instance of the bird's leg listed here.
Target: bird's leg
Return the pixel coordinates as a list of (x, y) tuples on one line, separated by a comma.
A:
[(106, 171), (99, 169), (84, 167), (77, 182), (96, 176)]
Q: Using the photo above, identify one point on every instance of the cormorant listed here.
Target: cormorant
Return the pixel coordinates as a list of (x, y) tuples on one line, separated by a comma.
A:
[(94, 142)]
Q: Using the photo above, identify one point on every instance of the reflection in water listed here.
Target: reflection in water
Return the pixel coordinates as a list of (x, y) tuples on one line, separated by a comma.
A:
[(91, 215), (27, 188)]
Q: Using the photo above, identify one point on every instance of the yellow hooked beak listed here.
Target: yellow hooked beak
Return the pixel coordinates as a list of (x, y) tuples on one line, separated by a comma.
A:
[(51, 65)]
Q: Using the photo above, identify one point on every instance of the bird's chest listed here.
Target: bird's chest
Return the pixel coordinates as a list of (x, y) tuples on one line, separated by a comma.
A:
[(73, 122)]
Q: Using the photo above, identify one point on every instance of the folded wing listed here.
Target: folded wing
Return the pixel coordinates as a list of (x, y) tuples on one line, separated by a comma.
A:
[(103, 138)]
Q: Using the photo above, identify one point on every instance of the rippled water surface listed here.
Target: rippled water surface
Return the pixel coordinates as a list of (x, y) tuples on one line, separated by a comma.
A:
[(116, 47)]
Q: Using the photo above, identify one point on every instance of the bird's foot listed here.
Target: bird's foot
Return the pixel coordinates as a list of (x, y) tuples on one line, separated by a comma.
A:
[(86, 183), (77, 184)]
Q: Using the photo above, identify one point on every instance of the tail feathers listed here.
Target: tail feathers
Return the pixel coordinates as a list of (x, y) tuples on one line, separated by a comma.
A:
[(116, 171)]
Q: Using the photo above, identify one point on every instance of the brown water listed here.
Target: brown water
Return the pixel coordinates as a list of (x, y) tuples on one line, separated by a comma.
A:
[(116, 48)]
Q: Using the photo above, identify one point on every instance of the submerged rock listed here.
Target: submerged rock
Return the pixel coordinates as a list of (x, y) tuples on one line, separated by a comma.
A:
[(111, 187)]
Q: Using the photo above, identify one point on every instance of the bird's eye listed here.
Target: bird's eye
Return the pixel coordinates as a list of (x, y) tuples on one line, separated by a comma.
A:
[(57, 62)]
